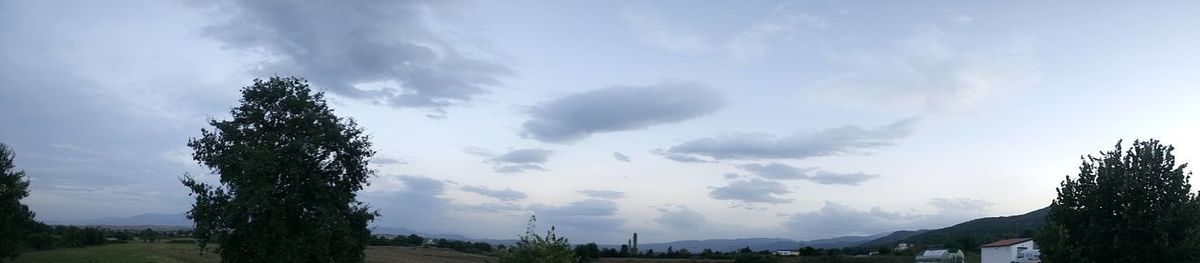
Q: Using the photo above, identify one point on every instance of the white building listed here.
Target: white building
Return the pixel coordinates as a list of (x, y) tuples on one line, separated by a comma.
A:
[(942, 256), (787, 253), (1005, 251), (902, 247)]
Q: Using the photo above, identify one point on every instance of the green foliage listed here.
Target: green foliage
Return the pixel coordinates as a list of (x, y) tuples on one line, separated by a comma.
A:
[(289, 172), (1134, 205), (532, 247), (746, 257), (15, 217), (587, 252), (148, 235)]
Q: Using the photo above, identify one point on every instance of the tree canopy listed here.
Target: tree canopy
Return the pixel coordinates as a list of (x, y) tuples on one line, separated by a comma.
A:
[(289, 170), (1132, 205), (534, 248), (15, 217)]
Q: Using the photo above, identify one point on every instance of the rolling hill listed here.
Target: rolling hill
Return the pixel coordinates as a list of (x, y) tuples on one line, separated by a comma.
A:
[(973, 233)]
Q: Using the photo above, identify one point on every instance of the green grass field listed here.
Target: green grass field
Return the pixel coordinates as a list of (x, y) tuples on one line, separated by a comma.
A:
[(183, 252), (187, 253)]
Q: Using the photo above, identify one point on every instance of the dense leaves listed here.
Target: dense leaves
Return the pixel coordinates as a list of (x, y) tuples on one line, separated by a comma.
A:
[(15, 218), (289, 171), (534, 248), (1132, 205)]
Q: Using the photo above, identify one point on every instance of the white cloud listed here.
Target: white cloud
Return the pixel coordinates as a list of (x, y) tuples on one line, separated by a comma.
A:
[(834, 219), (929, 70), (652, 28), (783, 27), (799, 145)]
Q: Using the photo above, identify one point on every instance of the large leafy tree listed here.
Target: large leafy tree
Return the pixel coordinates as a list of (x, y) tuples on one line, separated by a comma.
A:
[(289, 171), (1132, 205), (534, 248), (15, 218)]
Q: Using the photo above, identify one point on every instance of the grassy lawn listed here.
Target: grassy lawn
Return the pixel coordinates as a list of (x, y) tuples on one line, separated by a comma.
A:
[(130, 252), (187, 253)]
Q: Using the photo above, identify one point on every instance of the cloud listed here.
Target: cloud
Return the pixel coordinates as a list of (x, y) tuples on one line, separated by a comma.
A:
[(619, 108), (590, 217), (781, 171), (752, 146), (679, 157), (783, 27), (681, 219), (503, 195), (751, 191), (835, 219), (521, 160), (420, 203), (386, 161), (393, 52), (417, 193), (620, 157), (651, 27), (929, 70), (603, 194)]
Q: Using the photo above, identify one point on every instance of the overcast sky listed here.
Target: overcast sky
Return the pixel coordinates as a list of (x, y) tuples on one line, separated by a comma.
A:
[(674, 119)]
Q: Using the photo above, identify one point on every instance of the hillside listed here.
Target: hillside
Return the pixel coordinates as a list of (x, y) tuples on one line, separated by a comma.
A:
[(974, 232), (893, 238)]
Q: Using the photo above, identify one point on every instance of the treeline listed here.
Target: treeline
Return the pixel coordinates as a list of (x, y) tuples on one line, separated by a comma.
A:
[(43, 237), (415, 240)]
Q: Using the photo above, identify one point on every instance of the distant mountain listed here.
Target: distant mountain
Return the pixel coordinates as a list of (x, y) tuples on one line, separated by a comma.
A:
[(841, 242), (978, 231), (755, 243), (383, 230), (179, 220), (720, 244), (892, 239)]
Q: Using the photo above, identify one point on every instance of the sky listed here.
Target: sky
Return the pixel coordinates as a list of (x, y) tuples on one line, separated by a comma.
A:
[(673, 119)]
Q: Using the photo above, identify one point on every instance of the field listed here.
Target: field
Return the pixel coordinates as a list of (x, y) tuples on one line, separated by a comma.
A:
[(187, 253)]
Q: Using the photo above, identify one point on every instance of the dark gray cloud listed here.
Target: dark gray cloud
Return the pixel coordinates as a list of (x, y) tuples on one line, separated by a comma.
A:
[(619, 108), (503, 195), (781, 171), (751, 191), (521, 160), (752, 146), (391, 47), (835, 219), (603, 194), (621, 157)]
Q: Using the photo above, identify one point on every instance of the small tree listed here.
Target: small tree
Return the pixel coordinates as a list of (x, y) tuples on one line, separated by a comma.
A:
[(148, 235), (289, 172), (15, 217), (534, 248), (1125, 206)]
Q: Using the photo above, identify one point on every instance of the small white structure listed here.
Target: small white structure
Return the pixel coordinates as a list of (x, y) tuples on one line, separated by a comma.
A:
[(902, 247), (941, 255), (1005, 251), (787, 253)]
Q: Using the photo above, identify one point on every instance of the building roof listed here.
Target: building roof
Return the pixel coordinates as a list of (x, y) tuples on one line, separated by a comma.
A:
[(1006, 242)]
